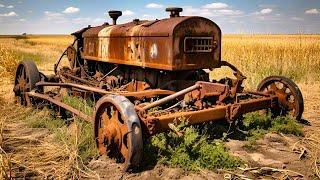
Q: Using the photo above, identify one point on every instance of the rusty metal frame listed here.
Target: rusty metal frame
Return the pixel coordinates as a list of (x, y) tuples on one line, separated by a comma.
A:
[(228, 112), (60, 104), (138, 94)]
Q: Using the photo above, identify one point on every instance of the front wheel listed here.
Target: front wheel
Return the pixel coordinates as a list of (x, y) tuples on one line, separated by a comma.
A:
[(118, 131), (290, 100)]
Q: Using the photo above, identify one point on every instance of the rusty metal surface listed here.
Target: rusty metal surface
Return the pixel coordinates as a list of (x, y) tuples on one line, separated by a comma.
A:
[(137, 95), (157, 45), (229, 112), (117, 130), (171, 97), (290, 98)]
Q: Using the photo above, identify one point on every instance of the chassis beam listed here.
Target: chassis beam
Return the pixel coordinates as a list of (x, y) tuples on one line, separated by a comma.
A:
[(138, 94), (61, 104), (229, 112)]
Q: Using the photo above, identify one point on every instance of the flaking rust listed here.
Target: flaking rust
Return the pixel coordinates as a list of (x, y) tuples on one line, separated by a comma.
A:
[(145, 75)]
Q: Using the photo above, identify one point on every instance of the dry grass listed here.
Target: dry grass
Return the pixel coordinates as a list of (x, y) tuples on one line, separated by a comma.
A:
[(8, 62), (259, 56), (36, 152)]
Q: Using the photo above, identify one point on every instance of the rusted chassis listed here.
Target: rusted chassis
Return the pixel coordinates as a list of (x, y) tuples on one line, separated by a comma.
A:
[(227, 112)]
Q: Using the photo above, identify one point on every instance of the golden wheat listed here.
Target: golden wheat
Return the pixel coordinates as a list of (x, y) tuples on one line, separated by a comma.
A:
[(259, 56)]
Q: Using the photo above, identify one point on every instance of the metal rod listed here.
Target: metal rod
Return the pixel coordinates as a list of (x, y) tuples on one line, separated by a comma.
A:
[(108, 73), (171, 97), (87, 88), (145, 93), (61, 104), (78, 79)]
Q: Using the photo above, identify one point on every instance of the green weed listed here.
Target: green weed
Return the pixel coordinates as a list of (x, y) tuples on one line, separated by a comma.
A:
[(85, 106), (191, 151), (258, 124)]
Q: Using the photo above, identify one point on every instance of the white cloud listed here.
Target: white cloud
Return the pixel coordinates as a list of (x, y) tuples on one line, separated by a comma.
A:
[(22, 20), (1, 5), (312, 11), (266, 11), (216, 6), (10, 14), (71, 10), (154, 6), (10, 7), (263, 11), (127, 13)]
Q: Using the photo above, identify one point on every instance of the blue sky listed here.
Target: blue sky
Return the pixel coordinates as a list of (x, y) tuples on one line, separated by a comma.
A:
[(233, 16)]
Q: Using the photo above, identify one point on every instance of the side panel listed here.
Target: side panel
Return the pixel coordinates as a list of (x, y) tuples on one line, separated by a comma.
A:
[(151, 52)]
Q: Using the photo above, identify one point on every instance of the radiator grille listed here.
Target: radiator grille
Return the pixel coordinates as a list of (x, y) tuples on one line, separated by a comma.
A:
[(198, 44)]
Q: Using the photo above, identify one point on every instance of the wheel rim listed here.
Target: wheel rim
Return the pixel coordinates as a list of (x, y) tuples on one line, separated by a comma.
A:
[(113, 133), (289, 96), (118, 131)]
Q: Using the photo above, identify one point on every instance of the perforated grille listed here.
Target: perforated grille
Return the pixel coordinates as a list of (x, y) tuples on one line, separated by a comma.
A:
[(198, 44)]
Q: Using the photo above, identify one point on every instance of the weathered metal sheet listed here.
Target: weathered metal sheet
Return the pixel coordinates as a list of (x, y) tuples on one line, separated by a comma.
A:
[(154, 44)]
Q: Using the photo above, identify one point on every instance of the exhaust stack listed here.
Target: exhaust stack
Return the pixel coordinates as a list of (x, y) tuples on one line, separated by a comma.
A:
[(115, 15)]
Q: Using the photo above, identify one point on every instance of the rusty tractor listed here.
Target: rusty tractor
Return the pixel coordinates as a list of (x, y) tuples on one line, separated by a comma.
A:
[(145, 75)]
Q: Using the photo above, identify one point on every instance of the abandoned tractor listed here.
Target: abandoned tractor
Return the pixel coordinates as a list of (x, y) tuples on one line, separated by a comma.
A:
[(145, 75)]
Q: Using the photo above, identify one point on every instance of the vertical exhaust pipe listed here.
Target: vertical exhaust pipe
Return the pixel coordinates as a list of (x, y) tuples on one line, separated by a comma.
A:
[(115, 15)]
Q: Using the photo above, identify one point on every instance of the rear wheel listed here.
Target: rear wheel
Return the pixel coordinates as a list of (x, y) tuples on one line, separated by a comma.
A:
[(118, 131), (27, 75), (290, 100)]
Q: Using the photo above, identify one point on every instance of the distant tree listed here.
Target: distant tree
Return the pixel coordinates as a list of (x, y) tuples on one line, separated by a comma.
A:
[(24, 34)]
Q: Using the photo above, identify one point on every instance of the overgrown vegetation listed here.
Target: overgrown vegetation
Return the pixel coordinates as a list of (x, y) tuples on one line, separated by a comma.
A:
[(85, 106), (257, 125), (185, 147)]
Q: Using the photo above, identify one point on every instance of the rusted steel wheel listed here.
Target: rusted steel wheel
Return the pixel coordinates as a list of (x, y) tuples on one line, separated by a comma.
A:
[(290, 97), (117, 130), (27, 75)]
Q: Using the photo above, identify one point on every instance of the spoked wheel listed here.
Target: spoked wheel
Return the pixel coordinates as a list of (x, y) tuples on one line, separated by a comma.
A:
[(27, 75), (290, 100), (118, 131)]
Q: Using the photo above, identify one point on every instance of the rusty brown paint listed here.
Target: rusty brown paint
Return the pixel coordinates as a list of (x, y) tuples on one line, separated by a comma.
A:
[(219, 112), (153, 44)]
